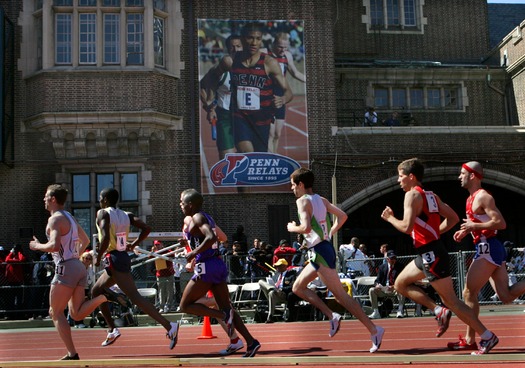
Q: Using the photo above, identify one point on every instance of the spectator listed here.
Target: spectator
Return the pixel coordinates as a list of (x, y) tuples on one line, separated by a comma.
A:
[(165, 280), (284, 251), (354, 258), (237, 263), (300, 251), (256, 268), (277, 287), (370, 117), (384, 285), (43, 273), (87, 260), (393, 120), (15, 278), (240, 237)]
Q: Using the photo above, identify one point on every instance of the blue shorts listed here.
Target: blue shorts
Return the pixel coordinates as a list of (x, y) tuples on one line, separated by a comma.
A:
[(211, 270), (118, 261), (71, 273), (492, 250), (322, 254)]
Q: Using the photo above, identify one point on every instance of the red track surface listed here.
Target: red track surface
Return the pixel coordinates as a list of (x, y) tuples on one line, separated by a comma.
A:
[(410, 340)]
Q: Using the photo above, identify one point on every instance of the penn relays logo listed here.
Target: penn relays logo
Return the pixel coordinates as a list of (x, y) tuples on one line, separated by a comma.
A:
[(252, 169)]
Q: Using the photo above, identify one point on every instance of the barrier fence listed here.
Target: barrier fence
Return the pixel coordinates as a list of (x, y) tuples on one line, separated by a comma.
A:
[(30, 299)]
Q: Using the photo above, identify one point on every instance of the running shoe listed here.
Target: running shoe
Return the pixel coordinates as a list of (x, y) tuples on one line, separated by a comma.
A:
[(112, 337), (335, 324), (252, 349), (377, 339), (228, 320), (232, 348), (486, 345), (462, 345), (68, 357), (173, 334), (443, 319)]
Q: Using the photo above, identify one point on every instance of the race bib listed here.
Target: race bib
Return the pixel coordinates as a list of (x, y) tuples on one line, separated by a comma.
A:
[(59, 270), (428, 257), (483, 250), (248, 98), (432, 202), (121, 241), (199, 269)]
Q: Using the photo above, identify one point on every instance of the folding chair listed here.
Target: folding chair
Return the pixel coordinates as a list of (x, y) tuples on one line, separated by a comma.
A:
[(364, 283), (247, 299)]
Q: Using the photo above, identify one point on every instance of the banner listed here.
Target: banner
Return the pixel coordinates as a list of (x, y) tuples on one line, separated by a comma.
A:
[(253, 122)]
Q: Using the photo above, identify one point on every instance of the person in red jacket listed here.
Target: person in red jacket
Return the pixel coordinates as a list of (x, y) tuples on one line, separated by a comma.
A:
[(14, 274), (165, 280), (284, 250)]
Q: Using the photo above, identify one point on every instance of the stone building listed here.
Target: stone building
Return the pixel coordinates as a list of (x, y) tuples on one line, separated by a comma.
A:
[(105, 92)]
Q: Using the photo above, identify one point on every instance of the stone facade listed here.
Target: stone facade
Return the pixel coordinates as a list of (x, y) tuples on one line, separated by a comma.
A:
[(91, 118)]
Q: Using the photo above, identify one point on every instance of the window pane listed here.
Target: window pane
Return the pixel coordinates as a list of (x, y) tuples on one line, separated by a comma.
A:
[(88, 39), (399, 97), (381, 97), (158, 40), (410, 13), (83, 216), (38, 4), (63, 39), (159, 4), (416, 97), (87, 2), (451, 99), (393, 12), (63, 2), (376, 12), (135, 42), (112, 38), (129, 187), (110, 2), (81, 188), (134, 2), (433, 99), (104, 181), (39, 41)]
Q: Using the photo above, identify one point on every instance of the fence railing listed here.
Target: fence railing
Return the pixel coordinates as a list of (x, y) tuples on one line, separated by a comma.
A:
[(30, 299)]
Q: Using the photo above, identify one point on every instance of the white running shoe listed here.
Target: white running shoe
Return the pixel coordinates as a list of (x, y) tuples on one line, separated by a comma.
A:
[(232, 348), (112, 337), (335, 323), (443, 320), (377, 339), (375, 315)]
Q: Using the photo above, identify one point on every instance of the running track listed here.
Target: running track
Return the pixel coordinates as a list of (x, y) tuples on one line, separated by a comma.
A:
[(407, 341)]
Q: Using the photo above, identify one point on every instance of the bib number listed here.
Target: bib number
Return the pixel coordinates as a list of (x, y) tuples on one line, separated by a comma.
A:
[(121, 241), (432, 203), (428, 257), (200, 269), (483, 249), (59, 270), (248, 98)]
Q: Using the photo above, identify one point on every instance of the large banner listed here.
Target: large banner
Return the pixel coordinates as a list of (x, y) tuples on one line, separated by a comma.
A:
[(253, 125)]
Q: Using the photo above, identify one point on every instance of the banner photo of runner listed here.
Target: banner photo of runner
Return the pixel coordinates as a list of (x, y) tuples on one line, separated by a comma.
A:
[(252, 91)]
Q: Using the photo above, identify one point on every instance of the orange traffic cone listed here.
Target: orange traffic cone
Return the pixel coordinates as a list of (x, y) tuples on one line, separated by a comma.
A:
[(206, 329)]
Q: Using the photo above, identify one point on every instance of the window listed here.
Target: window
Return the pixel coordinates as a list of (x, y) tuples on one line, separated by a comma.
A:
[(87, 35), (63, 38), (417, 97), (77, 28), (111, 38), (135, 39), (158, 40), (395, 16), (86, 188)]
